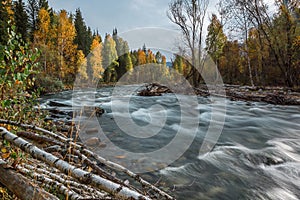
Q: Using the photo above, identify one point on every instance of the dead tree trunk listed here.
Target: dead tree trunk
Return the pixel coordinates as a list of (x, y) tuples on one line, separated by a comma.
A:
[(21, 186)]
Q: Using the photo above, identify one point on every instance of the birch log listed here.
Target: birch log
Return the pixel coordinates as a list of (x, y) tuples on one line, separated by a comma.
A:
[(95, 156), (53, 183), (114, 189), (21, 186), (64, 179)]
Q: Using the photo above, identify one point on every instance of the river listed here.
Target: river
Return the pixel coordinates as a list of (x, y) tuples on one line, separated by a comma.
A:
[(257, 155)]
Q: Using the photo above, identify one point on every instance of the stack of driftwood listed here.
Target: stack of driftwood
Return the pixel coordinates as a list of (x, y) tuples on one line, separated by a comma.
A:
[(272, 95), (51, 165)]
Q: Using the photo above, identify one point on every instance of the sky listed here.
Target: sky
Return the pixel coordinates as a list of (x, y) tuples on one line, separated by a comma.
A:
[(137, 21), (125, 15)]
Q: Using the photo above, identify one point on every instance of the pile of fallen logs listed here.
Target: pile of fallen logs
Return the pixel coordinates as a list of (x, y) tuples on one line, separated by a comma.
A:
[(272, 95), (53, 164), (154, 89)]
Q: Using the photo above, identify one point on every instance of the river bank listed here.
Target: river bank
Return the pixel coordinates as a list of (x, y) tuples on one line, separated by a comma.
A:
[(268, 94)]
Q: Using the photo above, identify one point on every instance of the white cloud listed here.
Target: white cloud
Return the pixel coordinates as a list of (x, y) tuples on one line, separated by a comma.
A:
[(143, 4)]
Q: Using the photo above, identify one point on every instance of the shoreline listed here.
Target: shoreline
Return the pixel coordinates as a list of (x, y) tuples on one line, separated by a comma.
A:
[(268, 94)]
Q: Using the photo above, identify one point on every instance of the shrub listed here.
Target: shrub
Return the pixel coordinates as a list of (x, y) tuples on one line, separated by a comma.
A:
[(47, 84)]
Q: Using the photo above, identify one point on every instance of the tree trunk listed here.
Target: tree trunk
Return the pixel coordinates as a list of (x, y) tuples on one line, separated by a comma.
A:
[(21, 186)]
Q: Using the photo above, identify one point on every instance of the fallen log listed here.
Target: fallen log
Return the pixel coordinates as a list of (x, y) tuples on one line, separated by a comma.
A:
[(110, 187), (53, 183), (38, 138), (154, 89), (64, 179), (89, 153), (21, 186)]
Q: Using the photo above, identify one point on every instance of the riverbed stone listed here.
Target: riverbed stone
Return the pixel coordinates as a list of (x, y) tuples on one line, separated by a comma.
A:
[(93, 141)]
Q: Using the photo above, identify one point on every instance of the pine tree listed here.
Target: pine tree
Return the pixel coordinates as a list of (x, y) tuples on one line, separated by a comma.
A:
[(32, 10), (145, 48), (158, 57), (122, 46), (110, 74), (83, 37), (43, 4), (21, 19), (133, 56), (125, 65)]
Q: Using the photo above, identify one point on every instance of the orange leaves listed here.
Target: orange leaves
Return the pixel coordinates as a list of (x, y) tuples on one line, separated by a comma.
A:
[(42, 33), (5, 153), (141, 57), (95, 60), (17, 82)]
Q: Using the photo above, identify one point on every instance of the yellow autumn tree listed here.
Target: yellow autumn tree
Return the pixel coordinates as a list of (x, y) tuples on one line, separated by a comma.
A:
[(66, 48), (150, 57), (81, 65), (42, 39), (95, 69), (141, 57), (41, 35)]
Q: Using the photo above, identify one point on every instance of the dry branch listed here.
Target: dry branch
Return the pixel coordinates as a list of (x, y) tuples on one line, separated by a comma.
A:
[(21, 186), (115, 189)]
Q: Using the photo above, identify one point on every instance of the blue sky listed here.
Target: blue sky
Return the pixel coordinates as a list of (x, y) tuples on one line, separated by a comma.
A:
[(133, 19), (104, 15), (126, 15)]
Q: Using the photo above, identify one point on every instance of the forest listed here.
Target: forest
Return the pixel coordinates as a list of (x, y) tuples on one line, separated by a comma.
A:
[(249, 45), (251, 42), (67, 47)]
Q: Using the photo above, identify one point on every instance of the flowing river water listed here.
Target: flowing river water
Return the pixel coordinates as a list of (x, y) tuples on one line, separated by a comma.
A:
[(257, 155)]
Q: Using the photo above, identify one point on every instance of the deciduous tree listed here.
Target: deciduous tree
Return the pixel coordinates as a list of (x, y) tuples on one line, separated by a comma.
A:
[(95, 68), (216, 39), (65, 47), (109, 51), (190, 15), (82, 65)]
